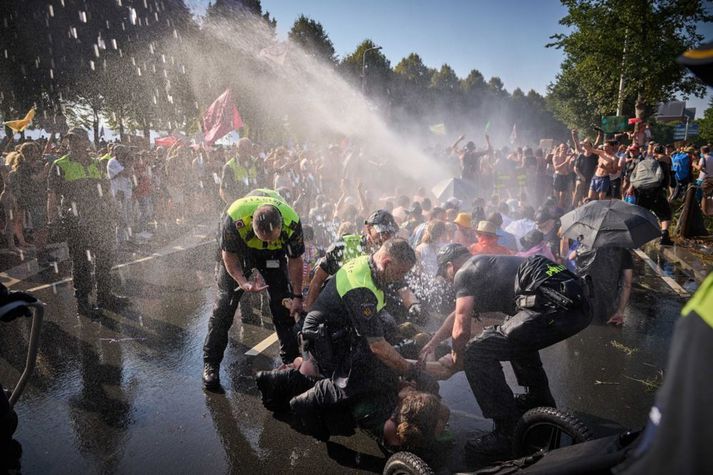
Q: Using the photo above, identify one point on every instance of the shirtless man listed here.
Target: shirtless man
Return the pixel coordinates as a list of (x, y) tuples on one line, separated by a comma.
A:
[(608, 163)]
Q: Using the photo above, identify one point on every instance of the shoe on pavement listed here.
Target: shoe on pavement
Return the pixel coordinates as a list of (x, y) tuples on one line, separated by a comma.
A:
[(494, 443), (112, 302), (211, 376), (85, 308)]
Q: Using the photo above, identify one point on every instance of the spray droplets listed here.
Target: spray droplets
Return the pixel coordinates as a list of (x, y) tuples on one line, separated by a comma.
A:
[(51, 10), (73, 32), (74, 208), (132, 15), (82, 16)]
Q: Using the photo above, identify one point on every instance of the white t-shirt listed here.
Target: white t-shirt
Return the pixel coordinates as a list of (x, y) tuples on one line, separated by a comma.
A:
[(118, 182), (706, 164)]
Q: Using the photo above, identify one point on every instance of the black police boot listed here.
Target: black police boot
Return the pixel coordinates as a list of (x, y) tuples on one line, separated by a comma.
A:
[(85, 308), (211, 376), (496, 443), (112, 301), (279, 386)]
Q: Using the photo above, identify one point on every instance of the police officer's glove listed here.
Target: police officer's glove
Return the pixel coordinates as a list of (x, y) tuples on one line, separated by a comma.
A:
[(21, 311), (418, 314)]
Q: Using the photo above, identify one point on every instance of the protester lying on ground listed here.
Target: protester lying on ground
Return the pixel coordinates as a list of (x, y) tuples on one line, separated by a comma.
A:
[(411, 416)]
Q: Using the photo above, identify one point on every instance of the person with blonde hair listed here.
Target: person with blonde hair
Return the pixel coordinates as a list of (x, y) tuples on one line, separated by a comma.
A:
[(435, 236)]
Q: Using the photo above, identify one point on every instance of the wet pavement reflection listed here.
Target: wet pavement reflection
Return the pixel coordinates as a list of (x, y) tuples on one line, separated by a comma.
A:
[(123, 393)]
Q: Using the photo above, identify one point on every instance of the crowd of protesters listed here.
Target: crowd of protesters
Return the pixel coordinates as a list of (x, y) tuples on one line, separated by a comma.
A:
[(518, 194)]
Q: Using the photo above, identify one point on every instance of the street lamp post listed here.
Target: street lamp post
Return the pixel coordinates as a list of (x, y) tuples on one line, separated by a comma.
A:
[(363, 67)]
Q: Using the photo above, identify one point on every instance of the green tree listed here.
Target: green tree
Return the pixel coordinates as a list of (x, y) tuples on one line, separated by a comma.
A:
[(378, 68), (312, 37), (638, 39), (706, 124)]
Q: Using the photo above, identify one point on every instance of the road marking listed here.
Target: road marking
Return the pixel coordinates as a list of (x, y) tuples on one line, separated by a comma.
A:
[(125, 264), (262, 346), (668, 279)]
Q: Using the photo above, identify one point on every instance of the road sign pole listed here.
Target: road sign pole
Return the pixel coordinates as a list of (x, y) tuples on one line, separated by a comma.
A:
[(685, 133)]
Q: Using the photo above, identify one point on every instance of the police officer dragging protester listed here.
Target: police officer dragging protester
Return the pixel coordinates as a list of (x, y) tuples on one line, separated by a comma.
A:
[(80, 210), (346, 339), (545, 304), (263, 233)]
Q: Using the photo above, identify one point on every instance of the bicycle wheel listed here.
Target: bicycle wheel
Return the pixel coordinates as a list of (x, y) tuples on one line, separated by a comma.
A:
[(406, 463), (545, 428)]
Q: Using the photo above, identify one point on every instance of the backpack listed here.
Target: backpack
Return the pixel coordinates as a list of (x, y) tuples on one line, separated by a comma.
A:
[(647, 174), (681, 165)]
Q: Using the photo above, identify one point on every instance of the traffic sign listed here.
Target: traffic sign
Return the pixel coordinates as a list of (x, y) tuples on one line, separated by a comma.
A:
[(679, 132)]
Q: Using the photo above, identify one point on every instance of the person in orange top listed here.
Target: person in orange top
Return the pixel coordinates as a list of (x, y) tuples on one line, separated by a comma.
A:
[(488, 241)]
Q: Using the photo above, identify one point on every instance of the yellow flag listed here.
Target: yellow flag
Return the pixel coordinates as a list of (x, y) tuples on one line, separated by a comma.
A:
[(438, 129), (20, 124)]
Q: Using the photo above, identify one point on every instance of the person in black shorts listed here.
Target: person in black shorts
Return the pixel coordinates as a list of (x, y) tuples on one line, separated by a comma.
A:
[(545, 304)]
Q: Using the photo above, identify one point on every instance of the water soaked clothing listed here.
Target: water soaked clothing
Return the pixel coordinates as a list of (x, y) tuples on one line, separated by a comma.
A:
[(270, 259), (87, 216), (496, 282), (348, 314)]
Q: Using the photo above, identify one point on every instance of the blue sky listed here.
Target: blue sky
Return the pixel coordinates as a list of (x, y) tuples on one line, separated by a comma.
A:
[(504, 38)]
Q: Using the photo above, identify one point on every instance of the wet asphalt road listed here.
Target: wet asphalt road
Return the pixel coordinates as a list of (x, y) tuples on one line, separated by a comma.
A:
[(123, 393)]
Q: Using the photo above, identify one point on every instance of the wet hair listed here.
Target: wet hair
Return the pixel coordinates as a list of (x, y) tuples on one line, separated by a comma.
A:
[(403, 201), (30, 150), (400, 250), (416, 419), (14, 160), (434, 230), (266, 218)]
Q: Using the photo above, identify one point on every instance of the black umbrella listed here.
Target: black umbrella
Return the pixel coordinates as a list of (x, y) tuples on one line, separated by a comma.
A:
[(611, 223)]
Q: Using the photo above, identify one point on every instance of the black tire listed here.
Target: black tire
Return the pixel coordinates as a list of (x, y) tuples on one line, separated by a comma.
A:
[(406, 463), (545, 428)]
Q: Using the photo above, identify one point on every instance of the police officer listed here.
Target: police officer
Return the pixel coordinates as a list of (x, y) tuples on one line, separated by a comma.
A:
[(79, 207), (544, 303), (264, 233), (347, 329), (239, 174), (379, 227)]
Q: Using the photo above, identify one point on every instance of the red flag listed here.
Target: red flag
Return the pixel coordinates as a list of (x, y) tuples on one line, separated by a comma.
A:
[(221, 117), (165, 142)]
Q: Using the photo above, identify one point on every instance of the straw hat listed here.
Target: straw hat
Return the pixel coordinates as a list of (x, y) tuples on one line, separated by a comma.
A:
[(486, 227), (463, 219)]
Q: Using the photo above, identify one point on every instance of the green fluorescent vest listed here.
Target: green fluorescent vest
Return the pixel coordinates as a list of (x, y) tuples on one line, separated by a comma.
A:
[(266, 192), (241, 173), (241, 212), (356, 274), (352, 247), (702, 302), (73, 171)]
